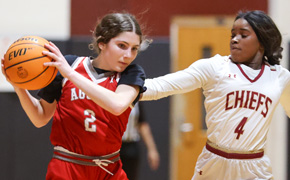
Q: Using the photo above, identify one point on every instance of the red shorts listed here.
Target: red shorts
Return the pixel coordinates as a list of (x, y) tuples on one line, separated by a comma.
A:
[(61, 170)]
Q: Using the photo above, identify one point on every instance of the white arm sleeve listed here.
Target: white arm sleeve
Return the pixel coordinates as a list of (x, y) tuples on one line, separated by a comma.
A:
[(189, 79), (285, 97), (174, 83)]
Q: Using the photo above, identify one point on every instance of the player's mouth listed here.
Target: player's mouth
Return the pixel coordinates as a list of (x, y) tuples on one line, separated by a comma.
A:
[(123, 63), (235, 48)]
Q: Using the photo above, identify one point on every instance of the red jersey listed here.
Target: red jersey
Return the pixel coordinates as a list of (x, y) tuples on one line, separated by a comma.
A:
[(82, 126)]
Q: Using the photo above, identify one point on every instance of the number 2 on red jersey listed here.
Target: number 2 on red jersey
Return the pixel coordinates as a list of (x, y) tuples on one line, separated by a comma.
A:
[(89, 121)]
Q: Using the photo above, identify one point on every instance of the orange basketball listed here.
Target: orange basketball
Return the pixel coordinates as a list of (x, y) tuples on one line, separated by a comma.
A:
[(23, 63)]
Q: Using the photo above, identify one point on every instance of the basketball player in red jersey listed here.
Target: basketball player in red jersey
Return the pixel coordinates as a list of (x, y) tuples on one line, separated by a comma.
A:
[(90, 101)]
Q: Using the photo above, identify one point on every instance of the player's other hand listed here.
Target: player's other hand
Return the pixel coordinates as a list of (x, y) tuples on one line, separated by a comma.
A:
[(153, 159)]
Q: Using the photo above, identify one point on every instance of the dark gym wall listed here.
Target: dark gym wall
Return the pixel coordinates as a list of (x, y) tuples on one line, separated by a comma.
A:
[(25, 150)]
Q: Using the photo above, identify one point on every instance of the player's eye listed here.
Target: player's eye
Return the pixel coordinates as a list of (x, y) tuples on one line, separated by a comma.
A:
[(135, 49), (244, 35), (122, 46)]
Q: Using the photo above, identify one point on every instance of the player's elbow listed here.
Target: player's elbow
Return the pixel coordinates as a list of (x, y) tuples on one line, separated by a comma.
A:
[(40, 123), (118, 109), (37, 125)]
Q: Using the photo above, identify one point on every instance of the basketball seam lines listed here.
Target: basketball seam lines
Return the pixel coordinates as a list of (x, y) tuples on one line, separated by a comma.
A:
[(24, 62), (25, 43)]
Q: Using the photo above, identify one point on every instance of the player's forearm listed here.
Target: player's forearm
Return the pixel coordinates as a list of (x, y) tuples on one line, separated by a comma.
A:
[(153, 155), (32, 108), (285, 97), (147, 137), (170, 84), (115, 102)]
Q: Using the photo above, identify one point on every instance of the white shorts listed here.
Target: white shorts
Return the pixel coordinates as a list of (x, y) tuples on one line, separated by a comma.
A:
[(211, 166)]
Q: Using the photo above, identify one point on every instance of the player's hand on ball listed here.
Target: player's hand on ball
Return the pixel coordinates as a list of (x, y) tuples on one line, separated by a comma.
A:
[(3, 71), (6, 76), (2, 67), (59, 60)]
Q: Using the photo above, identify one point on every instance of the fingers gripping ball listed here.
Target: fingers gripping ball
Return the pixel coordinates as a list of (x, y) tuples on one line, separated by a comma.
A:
[(23, 63)]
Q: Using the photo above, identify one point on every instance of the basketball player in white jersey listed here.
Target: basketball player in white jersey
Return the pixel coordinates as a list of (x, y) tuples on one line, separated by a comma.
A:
[(241, 93)]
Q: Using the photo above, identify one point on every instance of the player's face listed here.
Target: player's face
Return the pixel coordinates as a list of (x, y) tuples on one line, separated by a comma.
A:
[(120, 51), (245, 46)]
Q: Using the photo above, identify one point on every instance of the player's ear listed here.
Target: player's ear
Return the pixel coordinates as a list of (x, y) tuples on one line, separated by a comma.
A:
[(101, 45)]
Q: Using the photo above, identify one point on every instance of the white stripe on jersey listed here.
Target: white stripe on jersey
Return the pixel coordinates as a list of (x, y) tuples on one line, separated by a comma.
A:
[(97, 78)]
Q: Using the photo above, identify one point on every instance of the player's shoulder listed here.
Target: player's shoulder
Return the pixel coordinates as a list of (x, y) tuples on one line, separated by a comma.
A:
[(278, 71), (214, 62), (219, 59), (277, 68), (133, 68), (216, 59)]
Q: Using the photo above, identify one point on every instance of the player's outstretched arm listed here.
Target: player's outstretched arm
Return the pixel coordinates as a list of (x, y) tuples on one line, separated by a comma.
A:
[(170, 84), (285, 98)]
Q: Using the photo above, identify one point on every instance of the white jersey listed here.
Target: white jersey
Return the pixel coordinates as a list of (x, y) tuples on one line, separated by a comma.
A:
[(239, 101)]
